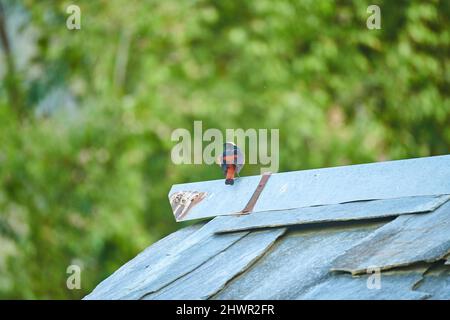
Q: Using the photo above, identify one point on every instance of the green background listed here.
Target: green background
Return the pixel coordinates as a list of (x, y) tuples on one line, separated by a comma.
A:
[(86, 115)]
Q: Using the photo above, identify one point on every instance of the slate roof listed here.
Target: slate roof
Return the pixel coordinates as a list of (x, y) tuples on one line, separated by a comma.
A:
[(313, 234)]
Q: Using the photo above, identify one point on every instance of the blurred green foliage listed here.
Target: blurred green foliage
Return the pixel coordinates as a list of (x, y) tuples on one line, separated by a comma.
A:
[(84, 177)]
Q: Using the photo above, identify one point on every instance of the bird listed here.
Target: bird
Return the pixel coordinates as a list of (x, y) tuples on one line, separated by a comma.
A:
[(231, 161)]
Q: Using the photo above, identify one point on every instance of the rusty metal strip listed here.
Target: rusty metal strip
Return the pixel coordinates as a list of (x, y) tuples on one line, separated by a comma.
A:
[(251, 203)]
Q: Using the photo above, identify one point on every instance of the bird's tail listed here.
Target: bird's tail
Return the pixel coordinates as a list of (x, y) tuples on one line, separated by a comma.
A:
[(230, 174)]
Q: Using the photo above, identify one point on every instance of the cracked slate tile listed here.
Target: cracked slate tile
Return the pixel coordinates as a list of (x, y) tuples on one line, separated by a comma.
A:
[(298, 260), (406, 240), (178, 260), (210, 277), (397, 284), (436, 282)]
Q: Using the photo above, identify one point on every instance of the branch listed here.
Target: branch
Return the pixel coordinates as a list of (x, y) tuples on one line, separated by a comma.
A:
[(11, 79)]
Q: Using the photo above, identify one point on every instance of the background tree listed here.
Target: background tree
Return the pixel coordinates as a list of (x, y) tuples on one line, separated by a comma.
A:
[(86, 115)]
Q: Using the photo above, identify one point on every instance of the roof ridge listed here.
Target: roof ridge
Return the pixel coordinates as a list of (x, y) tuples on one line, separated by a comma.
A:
[(294, 189)]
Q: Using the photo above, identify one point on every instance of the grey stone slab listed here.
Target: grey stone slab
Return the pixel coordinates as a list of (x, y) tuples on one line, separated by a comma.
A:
[(388, 285), (337, 212), (436, 282), (406, 240), (131, 270), (210, 277), (298, 260), (383, 180), (179, 259)]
